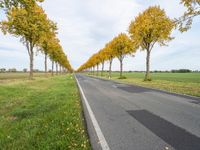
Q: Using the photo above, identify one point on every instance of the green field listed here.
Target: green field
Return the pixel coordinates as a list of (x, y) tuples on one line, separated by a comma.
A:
[(185, 83), (41, 114), (13, 76)]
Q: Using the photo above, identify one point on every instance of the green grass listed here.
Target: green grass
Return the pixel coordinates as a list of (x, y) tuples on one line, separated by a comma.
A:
[(184, 83), (41, 114)]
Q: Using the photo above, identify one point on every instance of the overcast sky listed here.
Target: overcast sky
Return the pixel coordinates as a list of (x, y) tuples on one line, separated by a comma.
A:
[(86, 26)]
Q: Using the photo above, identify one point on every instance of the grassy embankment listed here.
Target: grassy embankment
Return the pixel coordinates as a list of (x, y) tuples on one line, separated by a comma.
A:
[(41, 114), (184, 83)]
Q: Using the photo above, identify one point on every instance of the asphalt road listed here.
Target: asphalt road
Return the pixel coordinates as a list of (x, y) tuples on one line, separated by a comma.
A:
[(137, 118)]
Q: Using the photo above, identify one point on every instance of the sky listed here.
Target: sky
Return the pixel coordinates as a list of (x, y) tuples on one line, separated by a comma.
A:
[(86, 26)]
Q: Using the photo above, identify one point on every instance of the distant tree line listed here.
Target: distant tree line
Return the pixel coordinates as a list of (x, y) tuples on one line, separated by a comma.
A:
[(170, 71), (25, 70), (176, 71), (159, 71), (181, 71)]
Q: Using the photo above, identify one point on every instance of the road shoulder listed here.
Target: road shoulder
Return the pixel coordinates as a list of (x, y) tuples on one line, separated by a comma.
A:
[(97, 139)]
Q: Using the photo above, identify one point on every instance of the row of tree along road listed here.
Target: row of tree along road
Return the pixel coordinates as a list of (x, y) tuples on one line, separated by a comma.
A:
[(150, 27), (28, 21)]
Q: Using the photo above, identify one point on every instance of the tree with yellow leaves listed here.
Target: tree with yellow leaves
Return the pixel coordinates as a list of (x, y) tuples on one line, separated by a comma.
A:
[(47, 46), (96, 59), (122, 46), (151, 27), (110, 56), (103, 57), (54, 54)]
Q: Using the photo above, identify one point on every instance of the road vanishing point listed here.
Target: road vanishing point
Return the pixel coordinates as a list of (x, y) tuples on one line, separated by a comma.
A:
[(128, 117)]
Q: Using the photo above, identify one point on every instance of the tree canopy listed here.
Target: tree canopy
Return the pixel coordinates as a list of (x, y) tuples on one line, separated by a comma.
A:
[(150, 27)]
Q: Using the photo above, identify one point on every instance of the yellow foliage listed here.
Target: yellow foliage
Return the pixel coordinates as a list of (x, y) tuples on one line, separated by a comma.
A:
[(150, 27), (122, 45)]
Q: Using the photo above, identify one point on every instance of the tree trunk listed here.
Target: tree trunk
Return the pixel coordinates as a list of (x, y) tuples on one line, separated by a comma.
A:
[(31, 64), (93, 70), (29, 47), (121, 67), (52, 73), (45, 63), (147, 75), (110, 67), (97, 69), (60, 70), (56, 68), (63, 70), (102, 68)]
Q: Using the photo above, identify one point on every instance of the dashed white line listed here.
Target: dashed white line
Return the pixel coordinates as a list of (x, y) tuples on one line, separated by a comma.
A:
[(102, 140)]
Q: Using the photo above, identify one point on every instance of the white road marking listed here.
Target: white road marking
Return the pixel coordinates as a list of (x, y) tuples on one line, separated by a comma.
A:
[(102, 140)]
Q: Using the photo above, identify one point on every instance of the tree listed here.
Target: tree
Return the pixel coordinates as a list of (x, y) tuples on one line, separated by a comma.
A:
[(3, 70), (110, 56), (12, 70), (96, 59), (48, 45), (54, 54), (122, 45), (103, 57), (193, 9), (30, 24), (151, 27), (25, 70)]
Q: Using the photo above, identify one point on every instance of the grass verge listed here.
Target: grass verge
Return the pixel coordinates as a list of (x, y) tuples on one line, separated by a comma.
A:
[(183, 83), (41, 114)]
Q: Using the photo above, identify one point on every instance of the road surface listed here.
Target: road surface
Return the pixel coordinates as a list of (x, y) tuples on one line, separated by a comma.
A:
[(137, 118)]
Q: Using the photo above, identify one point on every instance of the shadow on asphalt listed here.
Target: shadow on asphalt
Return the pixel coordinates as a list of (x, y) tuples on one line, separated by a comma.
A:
[(177, 137), (135, 89)]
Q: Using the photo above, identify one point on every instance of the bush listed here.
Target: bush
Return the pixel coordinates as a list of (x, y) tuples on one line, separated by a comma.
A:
[(25, 70), (12, 70), (122, 77), (3, 70), (181, 71), (149, 79)]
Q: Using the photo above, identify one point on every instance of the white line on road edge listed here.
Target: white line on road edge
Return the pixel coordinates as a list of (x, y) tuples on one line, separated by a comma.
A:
[(102, 140)]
